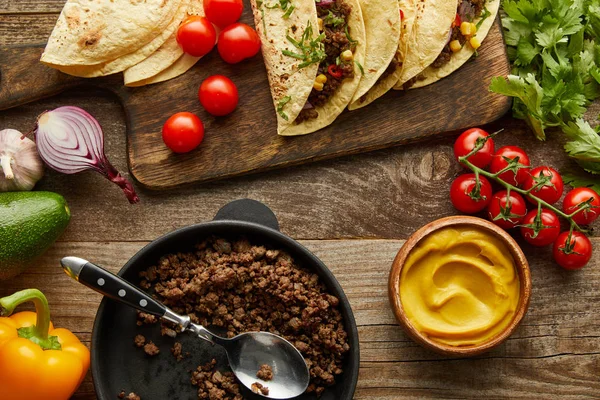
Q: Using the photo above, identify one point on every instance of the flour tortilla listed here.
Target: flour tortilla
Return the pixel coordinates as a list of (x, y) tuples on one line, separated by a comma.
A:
[(91, 32), (382, 33), (430, 32), (286, 80), (384, 85), (180, 67), (342, 96), (131, 59), (431, 74), (163, 58)]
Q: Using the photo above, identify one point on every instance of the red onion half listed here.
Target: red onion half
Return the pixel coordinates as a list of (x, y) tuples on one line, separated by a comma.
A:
[(70, 140)]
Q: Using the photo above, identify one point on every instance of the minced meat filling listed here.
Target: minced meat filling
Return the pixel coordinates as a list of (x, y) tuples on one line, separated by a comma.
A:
[(243, 287), (335, 26), (468, 10)]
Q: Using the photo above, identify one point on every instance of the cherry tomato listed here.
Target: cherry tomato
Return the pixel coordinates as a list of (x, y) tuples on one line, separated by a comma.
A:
[(507, 211), (183, 132), (238, 42), (588, 199), (223, 13), (218, 95), (574, 253), (461, 192), (551, 191), (196, 36), (465, 143), (499, 162), (547, 226)]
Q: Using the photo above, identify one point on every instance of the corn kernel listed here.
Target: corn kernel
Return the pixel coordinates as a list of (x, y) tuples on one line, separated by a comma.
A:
[(455, 46), (473, 28), (318, 86), (320, 24), (321, 78), (466, 28), (475, 43), (347, 55)]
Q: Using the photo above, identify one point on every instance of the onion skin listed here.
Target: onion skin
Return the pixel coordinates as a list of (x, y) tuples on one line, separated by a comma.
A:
[(20, 164), (70, 140)]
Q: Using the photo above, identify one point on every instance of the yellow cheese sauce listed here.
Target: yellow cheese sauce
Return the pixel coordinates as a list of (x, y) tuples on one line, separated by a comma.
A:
[(459, 286)]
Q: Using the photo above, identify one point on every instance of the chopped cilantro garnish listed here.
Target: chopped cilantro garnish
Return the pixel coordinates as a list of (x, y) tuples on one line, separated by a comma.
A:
[(292, 54), (282, 104), (350, 40), (333, 20), (486, 13), (289, 12), (360, 67), (311, 50), (285, 6)]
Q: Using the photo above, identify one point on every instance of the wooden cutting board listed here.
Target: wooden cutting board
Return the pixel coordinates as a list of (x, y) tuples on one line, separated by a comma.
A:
[(246, 141)]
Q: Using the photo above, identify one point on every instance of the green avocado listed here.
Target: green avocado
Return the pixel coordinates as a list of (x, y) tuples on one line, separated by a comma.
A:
[(29, 223)]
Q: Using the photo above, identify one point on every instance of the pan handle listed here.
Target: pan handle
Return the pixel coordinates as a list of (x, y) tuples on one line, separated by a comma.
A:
[(111, 285), (248, 210)]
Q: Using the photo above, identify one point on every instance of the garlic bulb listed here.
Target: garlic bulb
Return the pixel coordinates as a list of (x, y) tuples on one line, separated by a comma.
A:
[(20, 164)]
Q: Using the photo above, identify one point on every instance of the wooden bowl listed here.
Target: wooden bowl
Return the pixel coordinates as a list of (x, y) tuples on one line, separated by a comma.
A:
[(520, 263)]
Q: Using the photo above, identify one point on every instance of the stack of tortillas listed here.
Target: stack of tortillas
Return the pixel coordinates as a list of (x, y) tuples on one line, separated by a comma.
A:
[(137, 37)]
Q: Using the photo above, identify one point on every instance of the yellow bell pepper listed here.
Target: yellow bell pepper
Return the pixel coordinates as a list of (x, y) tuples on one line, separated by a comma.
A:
[(37, 361)]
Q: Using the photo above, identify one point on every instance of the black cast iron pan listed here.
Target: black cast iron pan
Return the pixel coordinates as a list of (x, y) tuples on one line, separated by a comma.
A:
[(118, 365)]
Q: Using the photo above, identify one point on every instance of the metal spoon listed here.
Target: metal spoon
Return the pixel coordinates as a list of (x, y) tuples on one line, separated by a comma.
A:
[(246, 352)]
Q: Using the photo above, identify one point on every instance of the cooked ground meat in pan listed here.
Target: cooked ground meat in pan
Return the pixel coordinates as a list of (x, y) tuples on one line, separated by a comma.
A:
[(265, 372), (242, 287), (130, 396), (214, 385), (151, 349), (176, 350), (139, 341), (257, 387)]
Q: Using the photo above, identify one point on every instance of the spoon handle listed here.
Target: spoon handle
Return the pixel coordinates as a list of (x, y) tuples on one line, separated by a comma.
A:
[(111, 285)]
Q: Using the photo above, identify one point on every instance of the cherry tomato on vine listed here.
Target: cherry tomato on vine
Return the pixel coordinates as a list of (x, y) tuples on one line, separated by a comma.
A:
[(218, 95), (464, 199), (465, 143), (507, 211), (196, 36), (586, 198), (547, 227), (499, 162), (238, 42), (223, 12), (183, 132), (574, 253), (553, 186)]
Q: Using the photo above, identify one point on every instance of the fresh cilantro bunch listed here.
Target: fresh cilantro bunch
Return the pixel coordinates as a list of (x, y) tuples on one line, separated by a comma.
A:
[(556, 70)]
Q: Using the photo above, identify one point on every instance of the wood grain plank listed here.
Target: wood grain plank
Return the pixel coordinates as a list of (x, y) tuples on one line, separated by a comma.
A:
[(553, 352), (384, 194), (25, 29), (31, 6)]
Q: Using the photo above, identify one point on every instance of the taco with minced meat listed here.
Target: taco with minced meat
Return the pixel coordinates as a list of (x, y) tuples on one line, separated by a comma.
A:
[(314, 53), (424, 27), (471, 24)]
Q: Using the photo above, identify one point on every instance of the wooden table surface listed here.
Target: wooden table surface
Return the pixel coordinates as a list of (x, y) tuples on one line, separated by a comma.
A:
[(354, 213)]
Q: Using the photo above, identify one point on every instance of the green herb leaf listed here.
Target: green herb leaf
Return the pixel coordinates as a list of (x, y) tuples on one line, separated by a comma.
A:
[(486, 13), (360, 67), (282, 104), (584, 141), (311, 50)]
